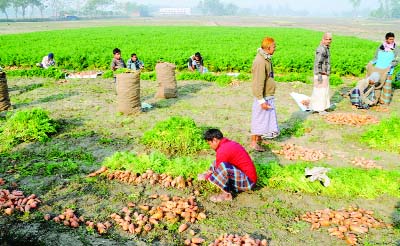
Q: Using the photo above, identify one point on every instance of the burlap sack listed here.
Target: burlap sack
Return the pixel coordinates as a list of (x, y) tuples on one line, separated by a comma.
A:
[(4, 97), (383, 73), (128, 93), (167, 86)]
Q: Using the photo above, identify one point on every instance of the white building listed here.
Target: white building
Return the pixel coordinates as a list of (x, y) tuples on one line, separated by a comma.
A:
[(175, 11)]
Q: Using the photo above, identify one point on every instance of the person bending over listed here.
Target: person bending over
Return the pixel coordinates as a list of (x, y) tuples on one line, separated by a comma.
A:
[(232, 171)]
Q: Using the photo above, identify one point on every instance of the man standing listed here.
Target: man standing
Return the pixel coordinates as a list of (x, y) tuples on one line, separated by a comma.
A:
[(233, 169), (320, 99), (264, 123)]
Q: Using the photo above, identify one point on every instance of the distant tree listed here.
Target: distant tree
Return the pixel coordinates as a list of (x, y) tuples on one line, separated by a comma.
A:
[(95, 7), (4, 4), (16, 4), (24, 4), (387, 9), (395, 8), (356, 5), (216, 7), (231, 9)]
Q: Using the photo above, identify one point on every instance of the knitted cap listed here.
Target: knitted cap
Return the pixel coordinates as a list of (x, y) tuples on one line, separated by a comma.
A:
[(51, 55)]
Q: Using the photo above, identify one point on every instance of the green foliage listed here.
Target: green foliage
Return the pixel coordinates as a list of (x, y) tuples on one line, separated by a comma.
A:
[(175, 45), (108, 74), (384, 136), (148, 76), (176, 135), (295, 128), (51, 72), (49, 168), (244, 77), (223, 80), (367, 184), (26, 126), (335, 80), (158, 162), (290, 77)]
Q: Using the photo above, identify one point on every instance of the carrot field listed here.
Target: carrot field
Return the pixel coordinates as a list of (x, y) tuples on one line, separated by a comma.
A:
[(74, 171), (225, 49)]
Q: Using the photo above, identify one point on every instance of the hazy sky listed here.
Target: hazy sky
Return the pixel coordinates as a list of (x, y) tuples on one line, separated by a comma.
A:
[(309, 5)]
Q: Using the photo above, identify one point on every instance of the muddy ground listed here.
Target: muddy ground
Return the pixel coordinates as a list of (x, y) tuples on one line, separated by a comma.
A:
[(87, 110)]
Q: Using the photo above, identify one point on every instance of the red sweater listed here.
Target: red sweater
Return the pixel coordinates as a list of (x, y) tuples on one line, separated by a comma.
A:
[(233, 153)]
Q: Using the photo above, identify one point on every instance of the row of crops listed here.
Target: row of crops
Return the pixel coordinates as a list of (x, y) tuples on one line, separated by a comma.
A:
[(224, 49)]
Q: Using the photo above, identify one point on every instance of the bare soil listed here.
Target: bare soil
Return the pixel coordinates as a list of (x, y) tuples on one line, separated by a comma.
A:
[(89, 105)]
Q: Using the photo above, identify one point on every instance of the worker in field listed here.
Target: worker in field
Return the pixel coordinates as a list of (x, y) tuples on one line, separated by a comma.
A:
[(320, 99), (232, 171), (47, 61), (117, 62), (389, 45), (387, 56), (195, 63), (134, 63), (363, 96), (264, 123)]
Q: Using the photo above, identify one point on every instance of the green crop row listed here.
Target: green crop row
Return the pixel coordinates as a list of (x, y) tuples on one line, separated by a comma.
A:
[(225, 49)]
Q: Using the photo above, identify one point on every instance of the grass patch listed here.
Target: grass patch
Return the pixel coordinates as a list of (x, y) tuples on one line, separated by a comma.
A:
[(52, 161), (158, 162), (26, 126), (384, 136), (51, 72), (295, 128), (367, 184), (176, 135)]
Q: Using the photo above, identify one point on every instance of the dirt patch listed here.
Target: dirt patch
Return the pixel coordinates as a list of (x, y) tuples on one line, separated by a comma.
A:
[(87, 107), (372, 29)]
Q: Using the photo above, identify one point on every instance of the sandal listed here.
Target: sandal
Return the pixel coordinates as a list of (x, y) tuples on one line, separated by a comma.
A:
[(222, 197), (257, 147)]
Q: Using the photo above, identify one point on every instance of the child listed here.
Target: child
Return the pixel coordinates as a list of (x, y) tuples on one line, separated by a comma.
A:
[(117, 61), (134, 63), (47, 61)]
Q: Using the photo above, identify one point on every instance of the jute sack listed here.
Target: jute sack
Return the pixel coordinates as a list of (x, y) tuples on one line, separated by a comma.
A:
[(167, 87), (128, 93), (4, 97)]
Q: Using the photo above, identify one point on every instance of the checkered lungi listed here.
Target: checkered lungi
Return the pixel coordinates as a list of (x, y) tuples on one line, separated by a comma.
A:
[(229, 178)]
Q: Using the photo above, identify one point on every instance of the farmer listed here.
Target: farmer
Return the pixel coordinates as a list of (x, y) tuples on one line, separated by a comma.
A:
[(195, 63), (232, 171), (134, 63), (362, 96), (47, 61), (264, 123), (387, 56), (320, 100), (117, 61), (388, 45)]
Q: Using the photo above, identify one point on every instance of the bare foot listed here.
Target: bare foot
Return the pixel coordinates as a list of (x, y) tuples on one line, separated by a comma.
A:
[(257, 147)]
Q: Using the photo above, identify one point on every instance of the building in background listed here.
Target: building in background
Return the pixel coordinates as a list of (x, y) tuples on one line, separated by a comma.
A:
[(175, 11)]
